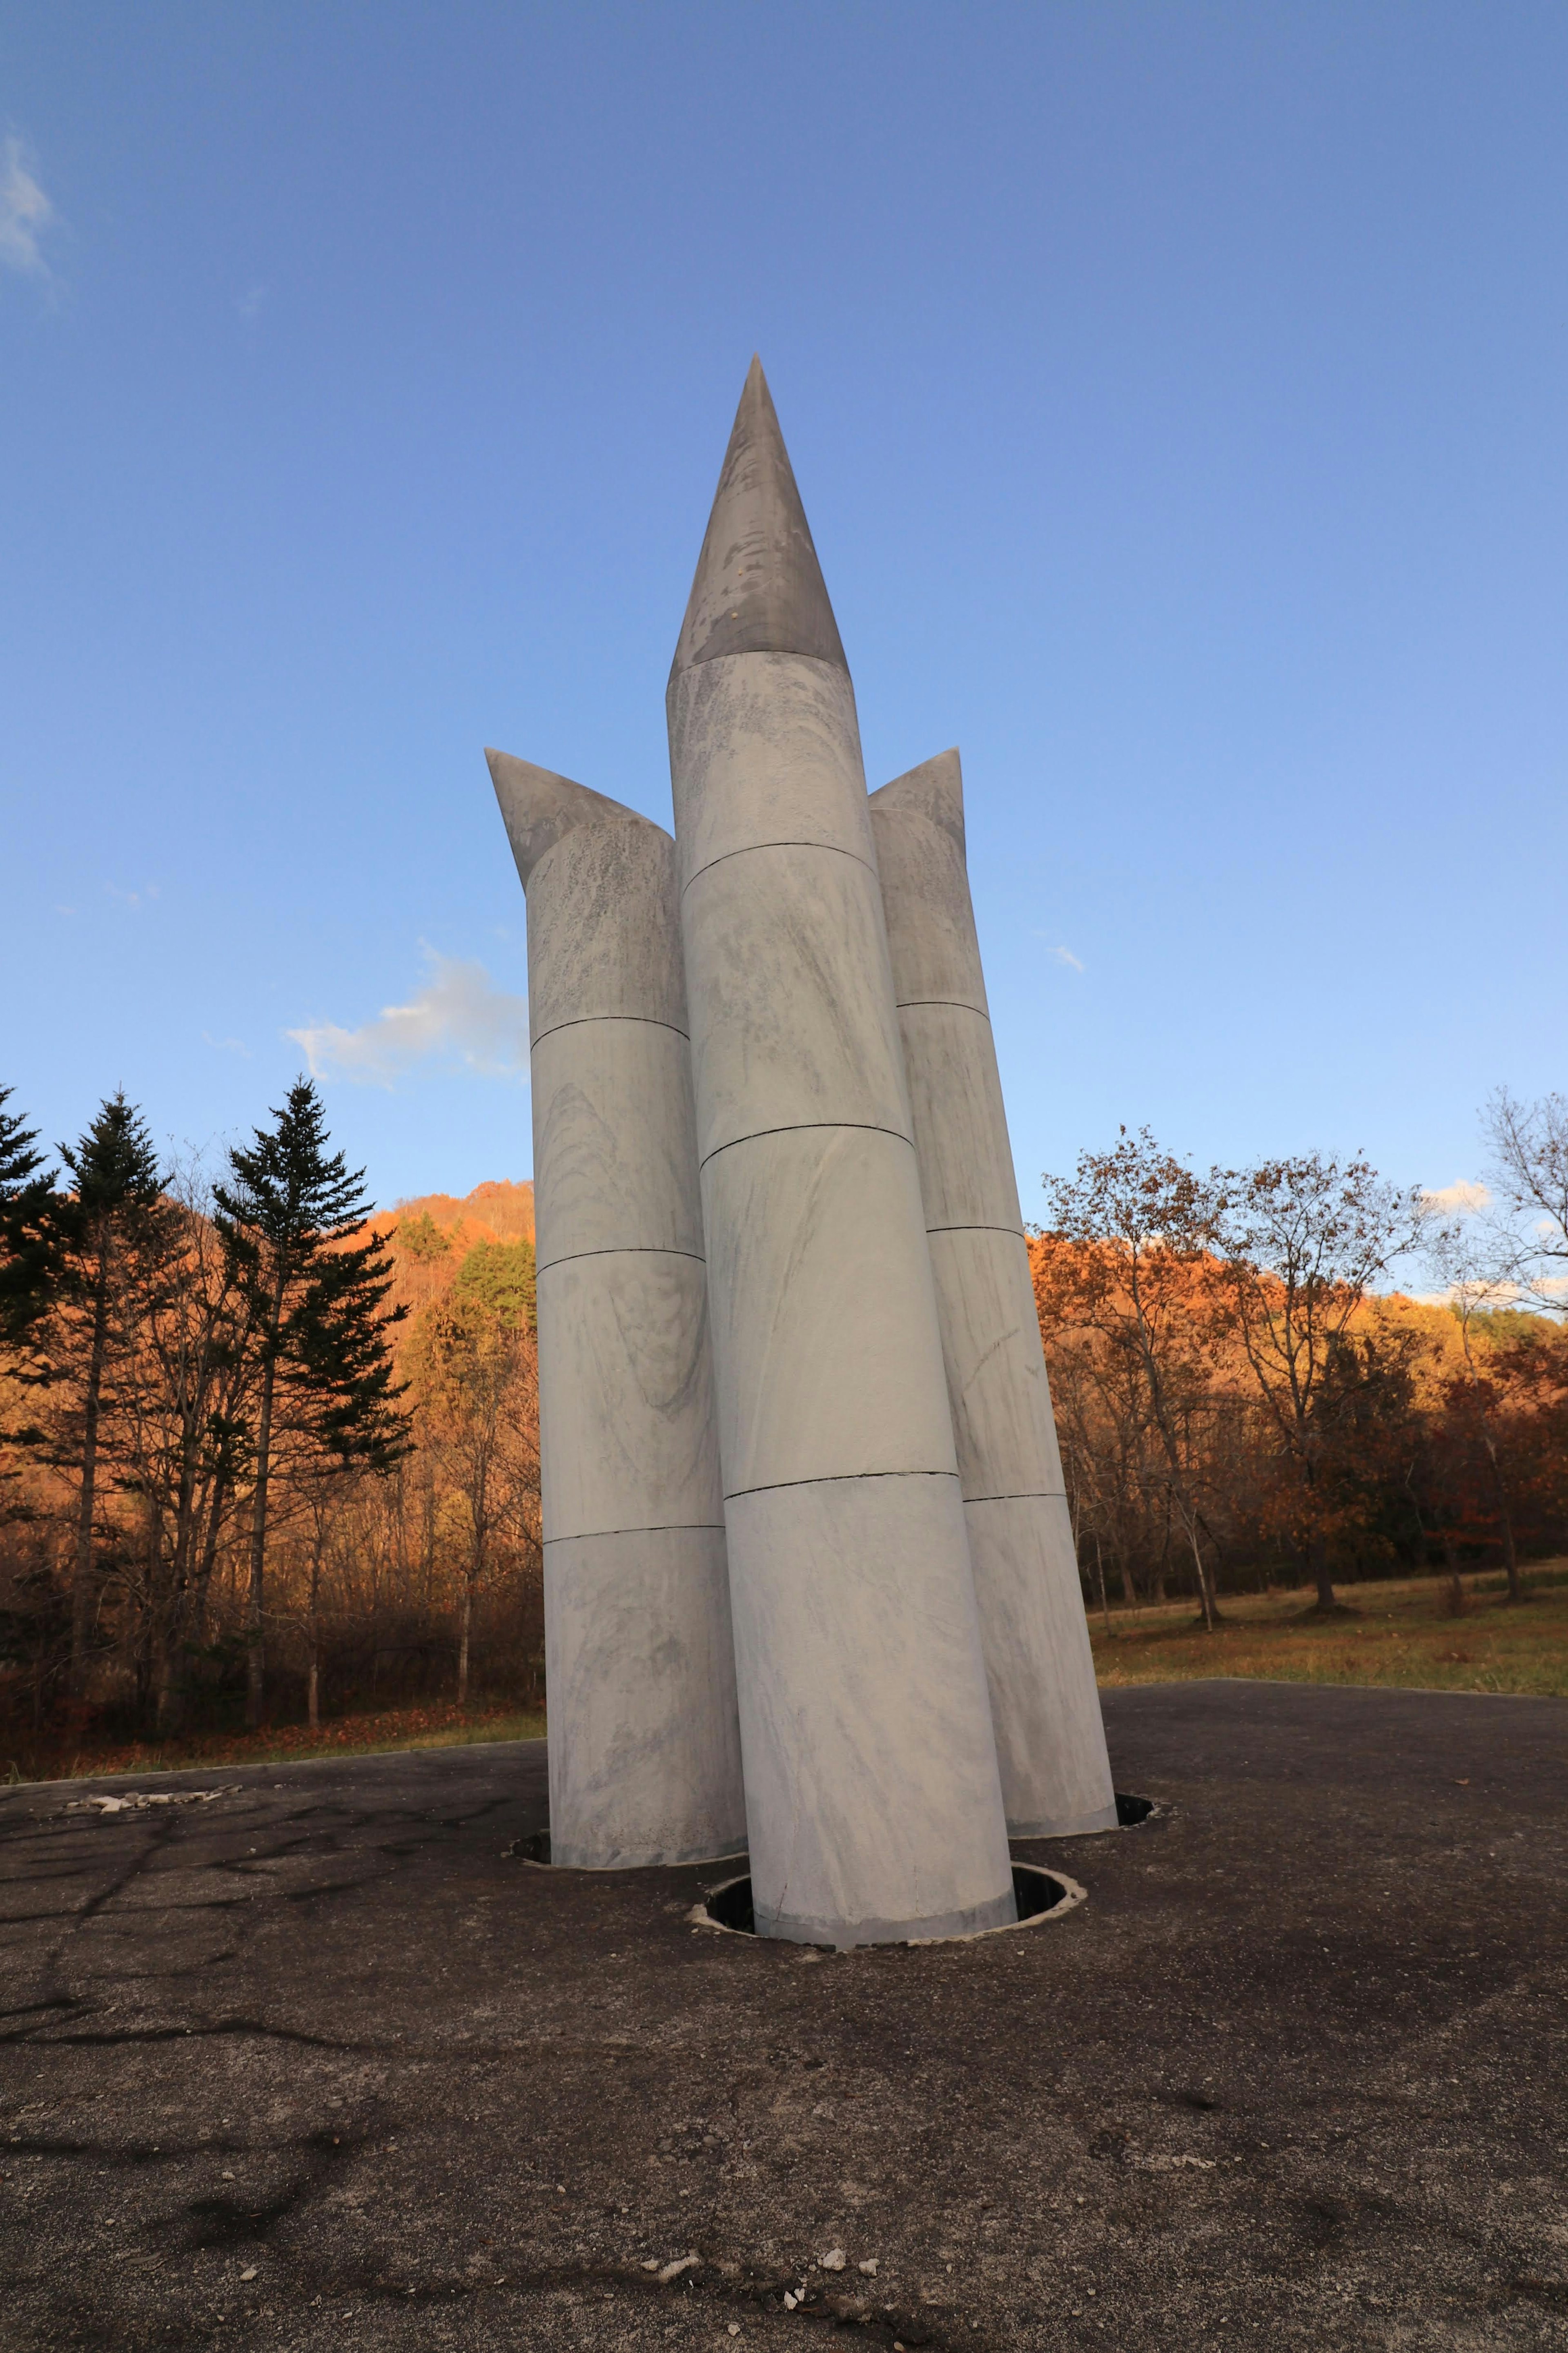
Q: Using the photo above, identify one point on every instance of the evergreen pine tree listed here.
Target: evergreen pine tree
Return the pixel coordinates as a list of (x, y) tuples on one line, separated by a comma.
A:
[(500, 1276), (289, 1213), (28, 1242), (28, 1267), (98, 1231)]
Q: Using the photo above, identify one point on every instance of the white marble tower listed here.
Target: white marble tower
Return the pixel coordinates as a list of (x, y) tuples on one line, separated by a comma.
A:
[(873, 1800)]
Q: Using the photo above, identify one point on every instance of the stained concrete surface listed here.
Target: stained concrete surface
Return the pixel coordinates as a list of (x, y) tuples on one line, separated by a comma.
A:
[(645, 1766), (1292, 2076)]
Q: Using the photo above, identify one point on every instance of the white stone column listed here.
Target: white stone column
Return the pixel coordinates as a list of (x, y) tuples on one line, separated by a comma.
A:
[(1050, 1742), (872, 1797), (645, 1764)]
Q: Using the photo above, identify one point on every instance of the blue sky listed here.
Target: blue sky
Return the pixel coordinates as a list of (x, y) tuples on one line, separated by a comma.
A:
[(1177, 394)]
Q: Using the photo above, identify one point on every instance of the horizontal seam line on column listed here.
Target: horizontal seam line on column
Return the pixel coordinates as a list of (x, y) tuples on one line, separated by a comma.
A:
[(749, 849), (1022, 1495), (837, 1479), (621, 1249), (959, 1004), (1016, 1231), (759, 653), (658, 1528), (806, 1127), (586, 1020)]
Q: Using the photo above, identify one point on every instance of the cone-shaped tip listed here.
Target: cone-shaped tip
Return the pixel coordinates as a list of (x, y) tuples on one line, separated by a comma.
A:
[(538, 807), (934, 790), (759, 587)]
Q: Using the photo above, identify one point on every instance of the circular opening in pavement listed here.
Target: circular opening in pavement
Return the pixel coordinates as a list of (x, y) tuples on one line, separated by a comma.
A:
[(1038, 1893), (1131, 1812)]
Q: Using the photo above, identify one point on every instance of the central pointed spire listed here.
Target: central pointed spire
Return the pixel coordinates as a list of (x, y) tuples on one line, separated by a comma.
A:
[(758, 587)]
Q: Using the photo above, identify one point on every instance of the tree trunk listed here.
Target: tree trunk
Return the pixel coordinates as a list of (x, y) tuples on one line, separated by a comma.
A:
[(463, 1642), (1455, 1583), (81, 1579), (256, 1659), (208, 1562), (1505, 1525), (169, 1704), (167, 1597), (174, 1602), (1318, 1557), (1205, 1591), (314, 1628), (1510, 1560)]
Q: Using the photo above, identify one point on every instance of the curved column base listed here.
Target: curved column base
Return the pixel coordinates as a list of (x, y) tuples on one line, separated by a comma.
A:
[(1083, 1826), (1050, 1739), (594, 1859), (871, 1789), (1001, 1912)]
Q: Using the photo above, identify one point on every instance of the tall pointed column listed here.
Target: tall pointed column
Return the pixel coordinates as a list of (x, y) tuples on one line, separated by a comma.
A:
[(645, 1762), (872, 1797), (1050, 1741)]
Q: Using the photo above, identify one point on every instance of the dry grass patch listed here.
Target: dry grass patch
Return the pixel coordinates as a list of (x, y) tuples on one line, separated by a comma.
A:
[(437, 1725), (1401, 1633)]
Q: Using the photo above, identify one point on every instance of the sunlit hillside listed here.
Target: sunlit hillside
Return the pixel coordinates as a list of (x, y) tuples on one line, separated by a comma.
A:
[(497, 1210), (435, 1236)]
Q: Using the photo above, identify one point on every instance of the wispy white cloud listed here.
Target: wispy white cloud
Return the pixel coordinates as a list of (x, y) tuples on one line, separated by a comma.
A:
[(1460, 1200), (227, 1045), (248, 304), (1483, 1294), (24, 213), (131, 898), (459, 1014), (1062, 955)]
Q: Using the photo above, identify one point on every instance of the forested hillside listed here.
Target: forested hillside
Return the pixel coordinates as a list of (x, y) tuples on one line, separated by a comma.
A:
[(250, 1464)]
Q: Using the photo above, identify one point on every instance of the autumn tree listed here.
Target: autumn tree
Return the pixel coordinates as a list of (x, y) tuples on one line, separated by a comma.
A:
[(1529, 1365), (475, 1378), (328, 1498), (1530, 1166), (1142, 1222), (1475, 1266), (1302, 1242), (191, 1350), (289, 1215)]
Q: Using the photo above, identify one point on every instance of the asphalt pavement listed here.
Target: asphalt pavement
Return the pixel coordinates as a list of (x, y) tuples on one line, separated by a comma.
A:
[(318, 2060)]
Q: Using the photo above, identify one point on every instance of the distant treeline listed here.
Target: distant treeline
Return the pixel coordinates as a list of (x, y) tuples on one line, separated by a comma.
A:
[(262, 1451), (1241, 1400)]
